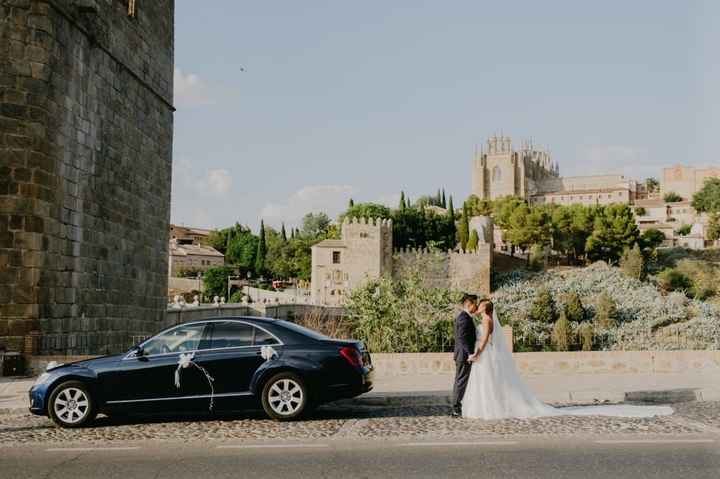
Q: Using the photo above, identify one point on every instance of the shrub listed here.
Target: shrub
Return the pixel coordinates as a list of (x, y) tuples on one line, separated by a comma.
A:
[(671, 279), (640, 211), (606, 313), (536, 258), (573, 308), (236, 297), (632, 263), (684, 230), (703, 277), (562, 333), (586, 336), (671, 197), (331, 326), (403, 315), (543, 308)]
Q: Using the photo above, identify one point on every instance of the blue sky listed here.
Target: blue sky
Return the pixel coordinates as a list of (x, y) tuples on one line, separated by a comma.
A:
[(286, 107)]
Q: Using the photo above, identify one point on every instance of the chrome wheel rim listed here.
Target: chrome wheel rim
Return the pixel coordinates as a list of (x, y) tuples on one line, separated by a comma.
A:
[(285, 397), (71, 405)]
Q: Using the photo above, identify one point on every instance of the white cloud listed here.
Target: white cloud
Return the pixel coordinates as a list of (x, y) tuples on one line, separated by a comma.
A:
[(330, 199), (190, 90), (217, 182), (187, 180)]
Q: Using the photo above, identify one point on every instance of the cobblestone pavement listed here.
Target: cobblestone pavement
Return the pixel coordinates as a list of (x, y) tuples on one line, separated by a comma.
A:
[(353, 422)]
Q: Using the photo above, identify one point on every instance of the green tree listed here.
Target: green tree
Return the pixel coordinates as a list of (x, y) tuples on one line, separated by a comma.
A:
[(562, 333), (652, 185), (444, 203), (463, 230), (606, 313), (640, 211), (402, 201), (543, 309), (672, 197), (707, 200), (713, 230), (563, 235), (472, 243), (478, 207), (366, 210), (651, 238), (351, 203), (261, 251), (586, 333), (573, 308), (241, 250), (614, 231), (315, 224), (215, 281), (283, 234), (632, 263)]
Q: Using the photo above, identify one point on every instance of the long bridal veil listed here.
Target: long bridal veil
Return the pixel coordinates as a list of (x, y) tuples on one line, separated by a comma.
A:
[(496, 390)]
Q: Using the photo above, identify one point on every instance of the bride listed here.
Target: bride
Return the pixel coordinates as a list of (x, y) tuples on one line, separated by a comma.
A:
[(495, 389)]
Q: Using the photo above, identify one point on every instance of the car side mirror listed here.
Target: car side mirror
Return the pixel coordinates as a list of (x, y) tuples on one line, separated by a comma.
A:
[(136, 352)]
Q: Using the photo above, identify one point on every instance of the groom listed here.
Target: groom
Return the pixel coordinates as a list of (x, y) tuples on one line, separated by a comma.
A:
[(465, 338)]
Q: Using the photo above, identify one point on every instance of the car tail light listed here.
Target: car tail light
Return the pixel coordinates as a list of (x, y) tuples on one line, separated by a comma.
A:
[(352, 356)]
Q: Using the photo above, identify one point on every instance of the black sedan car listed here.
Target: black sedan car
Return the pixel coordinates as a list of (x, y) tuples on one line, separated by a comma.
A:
[(210, 365)]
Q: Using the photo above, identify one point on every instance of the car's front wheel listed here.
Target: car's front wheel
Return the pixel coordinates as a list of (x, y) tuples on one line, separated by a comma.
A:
[(71, 405), (285, 397)]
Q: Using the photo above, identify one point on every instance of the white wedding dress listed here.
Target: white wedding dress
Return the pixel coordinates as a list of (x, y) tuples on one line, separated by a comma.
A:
[(495, 390)]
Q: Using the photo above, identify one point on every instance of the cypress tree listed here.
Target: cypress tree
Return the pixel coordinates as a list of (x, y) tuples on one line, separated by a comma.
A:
[(438, 198), (283, 234), (351, 203), (402, 201), (261, 251), (444, 204), (464, 229)]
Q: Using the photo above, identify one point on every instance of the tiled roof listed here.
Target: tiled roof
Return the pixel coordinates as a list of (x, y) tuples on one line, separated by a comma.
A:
[(193, 250)]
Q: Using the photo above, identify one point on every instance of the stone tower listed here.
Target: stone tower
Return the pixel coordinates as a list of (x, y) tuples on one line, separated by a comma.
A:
[(364, 252), (86, 128), (499, 170)]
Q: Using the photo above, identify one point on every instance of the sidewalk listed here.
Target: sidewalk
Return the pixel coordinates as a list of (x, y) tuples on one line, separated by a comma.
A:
[(558, 389), (436, 388)]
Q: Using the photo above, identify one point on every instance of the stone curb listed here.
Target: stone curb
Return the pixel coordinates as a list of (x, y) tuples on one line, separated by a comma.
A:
[(404, 399)]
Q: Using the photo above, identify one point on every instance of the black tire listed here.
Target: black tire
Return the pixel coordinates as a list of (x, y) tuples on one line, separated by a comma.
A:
[(285, 397), (71, 405)]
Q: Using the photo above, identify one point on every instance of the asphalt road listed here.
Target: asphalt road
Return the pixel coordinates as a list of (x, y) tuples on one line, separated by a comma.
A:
[(612, 457)]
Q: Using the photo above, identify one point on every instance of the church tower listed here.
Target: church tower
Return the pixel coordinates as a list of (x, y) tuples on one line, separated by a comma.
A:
[(499, 170)]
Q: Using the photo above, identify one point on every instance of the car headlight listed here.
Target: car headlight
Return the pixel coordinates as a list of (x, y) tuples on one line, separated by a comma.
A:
[(42, 379)]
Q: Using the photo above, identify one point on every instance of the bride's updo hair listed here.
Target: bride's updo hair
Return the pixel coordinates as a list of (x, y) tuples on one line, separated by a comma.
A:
[(488, 307)]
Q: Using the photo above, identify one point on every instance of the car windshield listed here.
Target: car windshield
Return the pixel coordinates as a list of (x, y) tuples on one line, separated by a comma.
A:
[(184, 338), (301, 329)]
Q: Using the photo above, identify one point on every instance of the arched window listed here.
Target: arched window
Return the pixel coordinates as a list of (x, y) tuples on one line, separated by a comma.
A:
[(496, 173)]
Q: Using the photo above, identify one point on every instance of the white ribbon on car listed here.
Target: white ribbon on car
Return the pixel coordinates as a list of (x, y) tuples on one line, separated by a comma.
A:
[(185, 361), (268, 352)]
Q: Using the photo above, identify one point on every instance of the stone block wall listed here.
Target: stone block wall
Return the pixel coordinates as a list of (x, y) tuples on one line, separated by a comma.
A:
[(469, 271), (86, 123)]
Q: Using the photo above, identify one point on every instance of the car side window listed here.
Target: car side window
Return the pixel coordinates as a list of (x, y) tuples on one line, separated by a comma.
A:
[(263, 338), (232, 335), (178, 340)]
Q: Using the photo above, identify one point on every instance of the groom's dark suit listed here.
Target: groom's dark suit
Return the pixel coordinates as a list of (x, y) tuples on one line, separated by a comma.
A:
[(465, 338)]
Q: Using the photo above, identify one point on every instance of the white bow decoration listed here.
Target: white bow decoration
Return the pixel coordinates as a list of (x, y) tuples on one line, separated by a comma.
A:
[(185, 361), (268, 352)]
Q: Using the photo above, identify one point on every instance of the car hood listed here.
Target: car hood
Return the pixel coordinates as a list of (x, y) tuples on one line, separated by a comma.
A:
[(89, 363)]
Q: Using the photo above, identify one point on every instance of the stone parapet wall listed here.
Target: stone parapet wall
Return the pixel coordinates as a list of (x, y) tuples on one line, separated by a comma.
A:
[(554, 363), (86, 126)]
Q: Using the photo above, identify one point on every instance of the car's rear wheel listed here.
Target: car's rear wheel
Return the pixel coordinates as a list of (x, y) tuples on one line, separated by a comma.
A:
[(285, 397), (71, 405)]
